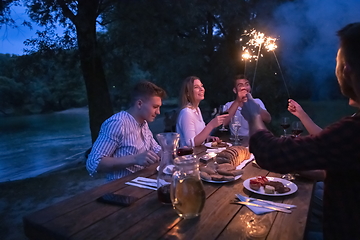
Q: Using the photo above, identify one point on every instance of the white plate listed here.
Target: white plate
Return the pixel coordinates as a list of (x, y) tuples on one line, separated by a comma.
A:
[(291, 185), (167, 170), (208, 144)]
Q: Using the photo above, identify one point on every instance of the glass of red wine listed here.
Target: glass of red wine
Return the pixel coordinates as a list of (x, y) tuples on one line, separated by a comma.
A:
[(297, 128), (222, 112), (285, 124)]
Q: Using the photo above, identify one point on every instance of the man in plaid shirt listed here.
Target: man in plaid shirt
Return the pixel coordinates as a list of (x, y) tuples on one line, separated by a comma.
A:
[(336, 149)]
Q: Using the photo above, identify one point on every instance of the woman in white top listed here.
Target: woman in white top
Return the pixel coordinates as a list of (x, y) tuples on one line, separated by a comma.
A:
[(190, 124)]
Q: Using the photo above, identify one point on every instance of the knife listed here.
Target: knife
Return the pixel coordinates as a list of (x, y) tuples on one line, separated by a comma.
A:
[(261, 206)]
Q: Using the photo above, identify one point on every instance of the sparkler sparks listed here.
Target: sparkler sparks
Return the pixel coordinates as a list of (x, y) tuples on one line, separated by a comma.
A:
[(259, 40)]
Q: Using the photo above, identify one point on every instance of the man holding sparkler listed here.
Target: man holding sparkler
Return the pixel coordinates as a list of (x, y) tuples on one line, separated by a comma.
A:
[(335, 149), (241, 88)]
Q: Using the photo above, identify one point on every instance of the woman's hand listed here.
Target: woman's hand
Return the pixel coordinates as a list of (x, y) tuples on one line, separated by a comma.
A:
[(295, 108), (218, 120)]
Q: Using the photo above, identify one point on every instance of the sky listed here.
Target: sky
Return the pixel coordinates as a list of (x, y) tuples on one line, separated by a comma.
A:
[(12, 39), (314, 22)]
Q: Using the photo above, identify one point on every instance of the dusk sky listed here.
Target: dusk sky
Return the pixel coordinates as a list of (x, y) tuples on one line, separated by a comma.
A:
[(12, 39)]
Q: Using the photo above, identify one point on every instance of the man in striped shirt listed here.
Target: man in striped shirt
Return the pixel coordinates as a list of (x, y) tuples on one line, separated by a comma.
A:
[(125, 143)]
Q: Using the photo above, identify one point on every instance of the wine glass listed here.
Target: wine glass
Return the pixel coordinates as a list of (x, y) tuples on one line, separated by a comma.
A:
[(222, 112), (297, 128), (235, 125), (285, 124)]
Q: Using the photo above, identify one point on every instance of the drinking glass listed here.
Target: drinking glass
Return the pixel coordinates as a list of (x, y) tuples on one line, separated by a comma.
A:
[(285, 124), (235, 126), (297, 128), (222, 112)]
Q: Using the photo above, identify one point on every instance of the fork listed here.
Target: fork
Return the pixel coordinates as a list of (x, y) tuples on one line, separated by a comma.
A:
[(250, 199)]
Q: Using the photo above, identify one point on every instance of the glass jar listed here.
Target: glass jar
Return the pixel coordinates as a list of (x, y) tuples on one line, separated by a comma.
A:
[(187, 191), (168, 142)]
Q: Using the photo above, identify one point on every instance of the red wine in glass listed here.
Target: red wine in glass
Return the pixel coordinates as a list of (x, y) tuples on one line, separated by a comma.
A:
[(222, 112), (285, 124), (297, 132), (184, 151), (297, 128)]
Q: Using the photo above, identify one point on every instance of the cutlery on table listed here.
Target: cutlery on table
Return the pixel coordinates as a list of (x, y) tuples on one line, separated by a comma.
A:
[(250, 199), (136, 184), (262, 206)]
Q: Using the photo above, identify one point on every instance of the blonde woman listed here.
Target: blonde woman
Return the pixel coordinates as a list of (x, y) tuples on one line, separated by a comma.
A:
[(190, 124)]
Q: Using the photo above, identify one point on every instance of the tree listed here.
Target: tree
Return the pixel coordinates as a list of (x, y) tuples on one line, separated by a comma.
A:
[(80, 16)]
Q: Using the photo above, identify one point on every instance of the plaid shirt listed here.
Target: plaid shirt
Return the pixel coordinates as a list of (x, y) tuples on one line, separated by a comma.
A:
[(121, 135), (337, 150)]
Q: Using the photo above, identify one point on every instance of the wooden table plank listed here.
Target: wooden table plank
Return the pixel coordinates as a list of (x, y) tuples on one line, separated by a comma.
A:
[(81, 217)]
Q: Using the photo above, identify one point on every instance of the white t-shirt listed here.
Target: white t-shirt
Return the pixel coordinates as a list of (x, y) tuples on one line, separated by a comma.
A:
[(244, 129), (189, 124)]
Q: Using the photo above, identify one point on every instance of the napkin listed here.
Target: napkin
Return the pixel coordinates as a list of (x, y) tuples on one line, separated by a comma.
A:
[(142, 182), (258, 210), (215, 150)]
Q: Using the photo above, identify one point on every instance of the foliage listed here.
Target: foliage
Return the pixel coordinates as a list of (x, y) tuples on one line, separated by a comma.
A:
[(40, 83)]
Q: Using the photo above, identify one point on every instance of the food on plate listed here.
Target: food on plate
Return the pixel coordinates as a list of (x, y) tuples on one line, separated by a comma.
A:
[(208, 170), (225, 166), (237, 172), (233, 155), (228, 178), (224, 172), (219, 144), (205, 175), (217, 177), (269, 189), (254, 184)]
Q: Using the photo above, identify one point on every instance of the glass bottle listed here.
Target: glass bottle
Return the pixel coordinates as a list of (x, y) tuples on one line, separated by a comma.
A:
[(169, 142), (187, 191)]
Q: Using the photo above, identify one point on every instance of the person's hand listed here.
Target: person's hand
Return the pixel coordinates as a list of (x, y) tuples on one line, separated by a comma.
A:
[(212, 139), (218, 120), (250, 108), (295, 108), (146, 158), (241, 95)]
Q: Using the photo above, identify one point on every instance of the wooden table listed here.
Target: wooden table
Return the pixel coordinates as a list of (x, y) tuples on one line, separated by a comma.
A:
[(82, 217)]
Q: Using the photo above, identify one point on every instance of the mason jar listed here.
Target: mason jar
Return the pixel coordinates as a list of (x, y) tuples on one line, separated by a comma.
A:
[(187, 191)]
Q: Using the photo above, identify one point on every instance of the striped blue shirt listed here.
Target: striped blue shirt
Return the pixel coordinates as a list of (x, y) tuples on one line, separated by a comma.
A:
[(121, 135)]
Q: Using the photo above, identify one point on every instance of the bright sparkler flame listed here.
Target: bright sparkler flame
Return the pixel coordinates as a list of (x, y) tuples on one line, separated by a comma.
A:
[(256, 40), (246, 55), (270, 44)]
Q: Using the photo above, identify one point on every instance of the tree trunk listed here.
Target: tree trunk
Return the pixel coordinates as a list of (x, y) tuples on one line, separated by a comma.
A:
[(100, 107)]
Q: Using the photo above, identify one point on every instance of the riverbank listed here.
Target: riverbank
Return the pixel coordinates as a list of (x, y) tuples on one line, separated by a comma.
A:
[(21, 197)]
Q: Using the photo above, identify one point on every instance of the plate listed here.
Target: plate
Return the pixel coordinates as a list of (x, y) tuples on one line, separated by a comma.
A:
[(293, 187), (208, 144), (167, 170), (214, 181)]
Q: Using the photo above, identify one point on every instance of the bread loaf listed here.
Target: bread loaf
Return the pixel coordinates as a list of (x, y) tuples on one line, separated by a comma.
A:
[(234, 155)]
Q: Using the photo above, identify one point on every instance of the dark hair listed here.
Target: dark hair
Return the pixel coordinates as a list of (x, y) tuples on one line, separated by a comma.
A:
[(145, 90), (350, 43), (186, 92), (239, 76)]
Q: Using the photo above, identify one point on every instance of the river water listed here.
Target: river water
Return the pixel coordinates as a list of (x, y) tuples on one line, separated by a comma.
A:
[(31, 145), (35, 144)]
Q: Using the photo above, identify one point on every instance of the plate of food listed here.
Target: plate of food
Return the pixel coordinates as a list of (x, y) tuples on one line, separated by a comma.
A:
[(221, 173), (227, 166), (218, 144), (270, 186)]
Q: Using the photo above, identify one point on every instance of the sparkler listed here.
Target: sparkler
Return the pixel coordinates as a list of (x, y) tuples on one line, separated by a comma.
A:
[(259, 40), (270, 45)]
